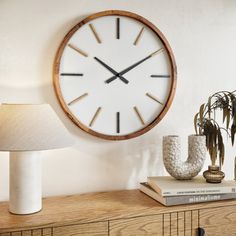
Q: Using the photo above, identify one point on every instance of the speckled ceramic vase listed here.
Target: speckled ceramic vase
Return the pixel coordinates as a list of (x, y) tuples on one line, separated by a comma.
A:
[(174, 165)]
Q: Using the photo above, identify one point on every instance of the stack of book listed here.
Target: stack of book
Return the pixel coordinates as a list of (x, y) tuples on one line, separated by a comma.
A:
[(169, 191)]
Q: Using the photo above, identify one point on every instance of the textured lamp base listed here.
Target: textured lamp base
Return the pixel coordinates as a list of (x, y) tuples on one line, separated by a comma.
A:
[(25, 182)]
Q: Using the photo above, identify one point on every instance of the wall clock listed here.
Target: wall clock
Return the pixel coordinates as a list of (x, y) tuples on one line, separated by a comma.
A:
[(115, 75)]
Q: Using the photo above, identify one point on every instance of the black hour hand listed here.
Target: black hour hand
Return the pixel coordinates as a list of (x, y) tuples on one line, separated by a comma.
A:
[(116, 74)]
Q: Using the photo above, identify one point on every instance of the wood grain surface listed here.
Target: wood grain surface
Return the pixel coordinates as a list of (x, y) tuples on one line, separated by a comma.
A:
[(130, 208), (219, 221), (149, 225), (92, 229)]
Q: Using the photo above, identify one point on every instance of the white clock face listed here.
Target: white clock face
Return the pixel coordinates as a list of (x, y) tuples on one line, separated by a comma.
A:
[(114, 75)]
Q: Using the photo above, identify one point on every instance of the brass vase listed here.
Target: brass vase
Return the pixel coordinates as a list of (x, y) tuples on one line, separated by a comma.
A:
[(213, 174)]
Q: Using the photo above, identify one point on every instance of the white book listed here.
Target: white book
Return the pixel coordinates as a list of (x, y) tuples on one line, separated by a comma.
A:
[(169, 186), (187, 199)]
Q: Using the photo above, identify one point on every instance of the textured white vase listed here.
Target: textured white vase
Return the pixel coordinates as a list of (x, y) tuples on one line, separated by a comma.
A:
[(188, 169), (25, 182)]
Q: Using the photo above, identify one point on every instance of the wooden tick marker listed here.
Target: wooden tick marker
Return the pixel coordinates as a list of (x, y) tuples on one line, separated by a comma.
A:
[(118, 28), (78, 98), (139, 115), (138, 36), (95, 33), (157, 52), (153, 98), (95, 116), (78, 50)]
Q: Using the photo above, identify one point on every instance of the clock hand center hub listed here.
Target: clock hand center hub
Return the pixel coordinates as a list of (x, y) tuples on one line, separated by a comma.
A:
[(115, 73)]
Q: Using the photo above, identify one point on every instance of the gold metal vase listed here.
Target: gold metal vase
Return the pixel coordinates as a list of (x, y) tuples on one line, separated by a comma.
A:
[(213, 174)]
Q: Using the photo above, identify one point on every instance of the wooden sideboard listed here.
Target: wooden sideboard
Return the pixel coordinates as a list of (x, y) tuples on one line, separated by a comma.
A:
[(119, 213)]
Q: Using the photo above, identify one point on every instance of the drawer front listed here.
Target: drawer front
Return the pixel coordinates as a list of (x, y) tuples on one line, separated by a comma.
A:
[(173, 224), (181, 224), (92, 229), (34, 232), (37, 232), (219, 221), (150, 225)]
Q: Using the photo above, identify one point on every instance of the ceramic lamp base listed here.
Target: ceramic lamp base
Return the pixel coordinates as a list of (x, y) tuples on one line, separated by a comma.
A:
[(25, 182)]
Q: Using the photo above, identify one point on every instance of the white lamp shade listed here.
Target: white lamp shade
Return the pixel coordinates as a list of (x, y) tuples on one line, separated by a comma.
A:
[(26, 127)]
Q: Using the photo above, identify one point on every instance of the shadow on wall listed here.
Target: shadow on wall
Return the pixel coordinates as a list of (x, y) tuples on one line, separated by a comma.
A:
[(132, 161), (122, 164)]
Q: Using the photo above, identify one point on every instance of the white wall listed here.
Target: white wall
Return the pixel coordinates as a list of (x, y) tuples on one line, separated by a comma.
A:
[(203, 37)]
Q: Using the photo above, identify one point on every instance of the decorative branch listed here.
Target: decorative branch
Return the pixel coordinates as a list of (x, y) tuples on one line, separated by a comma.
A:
[(205, 123)]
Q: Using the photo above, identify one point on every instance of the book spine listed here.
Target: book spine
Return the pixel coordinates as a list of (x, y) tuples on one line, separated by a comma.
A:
[(171, 201), (221, 190), (196, 191), (178, 200)]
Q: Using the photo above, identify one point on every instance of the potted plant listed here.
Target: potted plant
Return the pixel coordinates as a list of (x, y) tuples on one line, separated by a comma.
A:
[(220, 104)]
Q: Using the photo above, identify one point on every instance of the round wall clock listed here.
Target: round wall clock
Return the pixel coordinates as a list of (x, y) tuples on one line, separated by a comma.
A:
[(115, 75)]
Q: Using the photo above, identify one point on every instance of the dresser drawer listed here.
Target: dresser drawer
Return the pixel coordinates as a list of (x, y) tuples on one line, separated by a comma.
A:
[(171, 224), (141, 226), (93, 229), (219, 221)]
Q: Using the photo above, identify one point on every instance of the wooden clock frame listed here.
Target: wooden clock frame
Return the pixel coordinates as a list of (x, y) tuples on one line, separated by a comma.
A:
[(169, 52)]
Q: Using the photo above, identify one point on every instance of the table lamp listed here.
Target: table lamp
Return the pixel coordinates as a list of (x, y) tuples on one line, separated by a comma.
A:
[(25, 130)]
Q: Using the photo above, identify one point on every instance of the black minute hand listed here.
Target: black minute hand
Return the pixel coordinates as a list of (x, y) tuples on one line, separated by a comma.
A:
[(133, 66), (111, 70)]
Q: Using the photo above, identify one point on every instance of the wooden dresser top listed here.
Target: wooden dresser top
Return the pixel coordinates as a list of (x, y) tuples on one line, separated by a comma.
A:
[(93, 207)]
